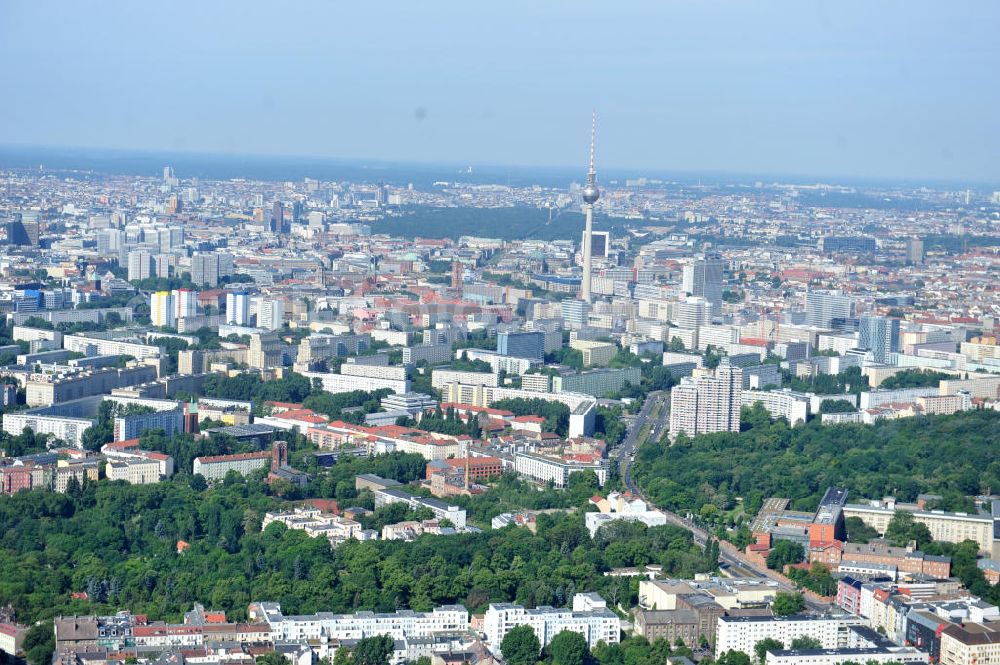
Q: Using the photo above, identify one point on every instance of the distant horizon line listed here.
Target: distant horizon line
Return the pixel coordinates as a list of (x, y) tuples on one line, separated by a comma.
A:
[(618, 172)]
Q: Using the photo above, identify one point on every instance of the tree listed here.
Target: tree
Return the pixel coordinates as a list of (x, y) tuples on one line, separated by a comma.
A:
[(272, 658), (784, 553), (903, 528), (733, 658), (520, 646), (39, 643), (376, 650), (568, 648), (767, 644), (806, 642), (858, 531), (786, 602)]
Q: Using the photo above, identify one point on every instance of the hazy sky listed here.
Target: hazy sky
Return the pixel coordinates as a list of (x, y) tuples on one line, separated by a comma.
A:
[(868, 88)]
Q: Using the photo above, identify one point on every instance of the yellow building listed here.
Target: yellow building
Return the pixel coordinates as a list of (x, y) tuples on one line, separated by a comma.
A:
[(595, 354)]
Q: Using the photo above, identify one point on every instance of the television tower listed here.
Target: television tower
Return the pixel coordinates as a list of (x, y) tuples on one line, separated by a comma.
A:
[(590, 196)]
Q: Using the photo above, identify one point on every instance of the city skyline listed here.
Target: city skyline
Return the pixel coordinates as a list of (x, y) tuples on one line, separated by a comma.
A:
[(810, 91)]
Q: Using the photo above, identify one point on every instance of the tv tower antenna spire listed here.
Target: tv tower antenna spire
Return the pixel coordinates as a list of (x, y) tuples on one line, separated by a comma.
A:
[(590, 195)]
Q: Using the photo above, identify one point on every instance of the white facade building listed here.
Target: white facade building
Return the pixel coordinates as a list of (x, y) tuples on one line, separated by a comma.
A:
[(744, 632), (590, 617), (238, 308), (328, 626)]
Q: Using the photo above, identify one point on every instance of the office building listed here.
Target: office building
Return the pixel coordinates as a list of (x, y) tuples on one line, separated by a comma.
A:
[(521, 344), (600, 245), (857, 244), (880, 336), (589, 616), (595, 354), (914, 251), (574, 313), (140, 264), (703, 277), (705, 404), (823, 308), (205, 269), (238, 308)]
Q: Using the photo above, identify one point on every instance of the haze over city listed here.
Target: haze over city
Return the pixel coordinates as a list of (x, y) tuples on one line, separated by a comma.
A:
[(851, 89)]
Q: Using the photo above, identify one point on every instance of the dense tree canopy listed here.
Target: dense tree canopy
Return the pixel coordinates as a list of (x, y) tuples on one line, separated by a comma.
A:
[(520, 646), (117, 542), (903, 458)]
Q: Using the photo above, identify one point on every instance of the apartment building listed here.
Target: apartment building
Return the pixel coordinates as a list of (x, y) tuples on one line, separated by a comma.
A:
[(943, 526), (598, 382), (90, 345), (344, 383), (442, 376), (589, 616), (441, 510), (134, 471), (169, 420), (971, 644), (557, 470), (48, 389), (867, 655), (215, 467), (793, 407), (583, 408), (403, 624), (742, 633), (707, 403), (434, 354), (384, 372), (315, 523)]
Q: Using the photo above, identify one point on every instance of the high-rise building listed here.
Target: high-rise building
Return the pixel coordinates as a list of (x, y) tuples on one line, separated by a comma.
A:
[(162, 309), (707, 404), (521, 344), (186, 303), (600, 243), (590, 195), (880, 335), (168, 174), (169, 238), (265, 351), (205, 269), (914, 251), (238, 308), (574, 313), (703, 277), (824, 307), (278, 217), (140, 264), (270, 313), (692, 312), (161, 265), (109, 242)]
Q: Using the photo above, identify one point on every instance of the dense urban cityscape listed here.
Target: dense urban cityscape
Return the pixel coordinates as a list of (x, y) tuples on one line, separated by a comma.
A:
[(263, 409)]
